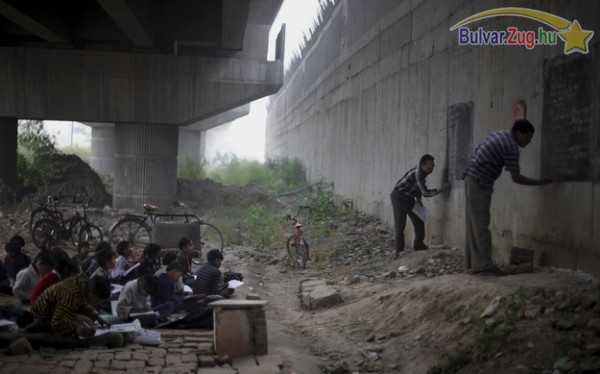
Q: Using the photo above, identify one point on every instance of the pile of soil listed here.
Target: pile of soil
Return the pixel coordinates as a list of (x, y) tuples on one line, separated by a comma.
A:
[(206, 195), (68, 175)]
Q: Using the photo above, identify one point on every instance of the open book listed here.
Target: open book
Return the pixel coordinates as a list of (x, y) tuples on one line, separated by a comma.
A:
[(137, 314)]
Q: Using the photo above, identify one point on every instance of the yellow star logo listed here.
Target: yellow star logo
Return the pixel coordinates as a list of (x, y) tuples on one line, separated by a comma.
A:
[(576, 39)]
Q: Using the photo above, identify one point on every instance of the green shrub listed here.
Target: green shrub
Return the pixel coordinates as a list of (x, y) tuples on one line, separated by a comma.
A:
[(191, 168), (34, 143), (240, 172), (251, 225), (33, 140), (286, 174), (279, 174), (261, 228)]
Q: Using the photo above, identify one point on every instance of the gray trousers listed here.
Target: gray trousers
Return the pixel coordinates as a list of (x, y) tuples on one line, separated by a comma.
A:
[(478, 243), (403, 206)]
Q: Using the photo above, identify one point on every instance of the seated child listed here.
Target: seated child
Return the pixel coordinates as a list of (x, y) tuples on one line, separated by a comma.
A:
[(135, 298)]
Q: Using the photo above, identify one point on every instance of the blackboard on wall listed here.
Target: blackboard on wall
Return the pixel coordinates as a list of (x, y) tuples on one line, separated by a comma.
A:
[(570, 120), (459, 123)]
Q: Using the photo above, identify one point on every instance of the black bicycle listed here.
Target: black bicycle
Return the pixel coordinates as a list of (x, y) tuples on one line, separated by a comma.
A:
[(75, 229), (49, 210), (138, 229)]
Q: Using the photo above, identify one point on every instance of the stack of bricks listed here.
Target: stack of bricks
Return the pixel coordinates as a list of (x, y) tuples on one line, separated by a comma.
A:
[(240, 327)]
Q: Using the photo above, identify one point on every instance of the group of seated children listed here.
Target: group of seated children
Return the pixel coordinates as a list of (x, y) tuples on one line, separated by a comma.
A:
[(59, 288)]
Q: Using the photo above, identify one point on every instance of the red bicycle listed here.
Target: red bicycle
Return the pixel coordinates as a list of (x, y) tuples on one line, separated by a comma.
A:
[(297, 246)]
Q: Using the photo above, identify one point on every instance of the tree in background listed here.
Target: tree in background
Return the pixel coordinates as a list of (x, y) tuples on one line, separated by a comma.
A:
[(34, 143)]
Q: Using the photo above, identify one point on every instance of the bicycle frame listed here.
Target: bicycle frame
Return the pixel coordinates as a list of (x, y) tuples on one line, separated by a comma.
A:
[(151, 217), (138, 228), (299, 253)]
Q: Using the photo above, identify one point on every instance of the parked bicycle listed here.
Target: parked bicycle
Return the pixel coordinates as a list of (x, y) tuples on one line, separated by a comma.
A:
[(49, 209), (297, 246), (138, 229), (75, 229)]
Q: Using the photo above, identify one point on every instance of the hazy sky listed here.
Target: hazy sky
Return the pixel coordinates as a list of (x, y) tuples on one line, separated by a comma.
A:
[(245, 137)]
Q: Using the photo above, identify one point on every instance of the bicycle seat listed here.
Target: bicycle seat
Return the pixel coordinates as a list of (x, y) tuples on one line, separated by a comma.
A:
[(150, 207), (298, 225)]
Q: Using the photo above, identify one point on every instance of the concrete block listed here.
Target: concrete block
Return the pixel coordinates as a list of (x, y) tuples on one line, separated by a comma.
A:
[(306, 285), (259, 370), (173, 360), (206, 361), (322, 297), (189, 358), (156, 361), (244, 362), (102, 364), (118, 365), (241, 332), (232, 333), (216, 371), (206, 348), (270, 360)]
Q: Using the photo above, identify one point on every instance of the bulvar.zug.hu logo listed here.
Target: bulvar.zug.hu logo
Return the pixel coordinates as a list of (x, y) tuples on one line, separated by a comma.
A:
[(575, 38)]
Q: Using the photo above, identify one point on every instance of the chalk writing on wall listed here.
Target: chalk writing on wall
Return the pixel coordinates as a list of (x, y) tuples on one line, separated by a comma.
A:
[(570, 132), (459, 122)]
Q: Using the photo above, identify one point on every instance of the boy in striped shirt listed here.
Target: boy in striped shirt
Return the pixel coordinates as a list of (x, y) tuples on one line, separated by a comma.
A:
[(406, 193)]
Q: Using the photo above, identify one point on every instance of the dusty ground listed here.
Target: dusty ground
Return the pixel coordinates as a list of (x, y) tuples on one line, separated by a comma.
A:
[(424, 318), (420, 324)]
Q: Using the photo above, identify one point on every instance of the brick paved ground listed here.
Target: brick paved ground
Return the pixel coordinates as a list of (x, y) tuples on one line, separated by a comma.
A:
[(181, 351)]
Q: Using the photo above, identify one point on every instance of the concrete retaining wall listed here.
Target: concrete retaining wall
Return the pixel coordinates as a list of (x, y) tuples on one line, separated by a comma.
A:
[(372, 95)]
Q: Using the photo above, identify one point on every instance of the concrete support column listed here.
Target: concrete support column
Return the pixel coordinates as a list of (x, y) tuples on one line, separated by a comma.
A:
[(145, 165), (8, 151), (103, 149), (189, 144)]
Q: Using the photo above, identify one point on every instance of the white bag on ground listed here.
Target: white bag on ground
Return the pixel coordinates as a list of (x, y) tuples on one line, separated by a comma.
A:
[(145, 336)]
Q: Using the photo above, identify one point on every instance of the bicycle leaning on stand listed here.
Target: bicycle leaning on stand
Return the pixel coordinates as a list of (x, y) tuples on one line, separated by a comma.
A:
[(137, 229), (76, 228), (297, 246)]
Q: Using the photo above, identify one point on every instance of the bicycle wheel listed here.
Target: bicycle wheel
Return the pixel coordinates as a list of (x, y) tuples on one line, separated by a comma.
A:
[(302, 251), (290, 245), (210, 237), (43, 229), (43, 213), (91, 234), (297, 253), (75, 232), (134, 230)]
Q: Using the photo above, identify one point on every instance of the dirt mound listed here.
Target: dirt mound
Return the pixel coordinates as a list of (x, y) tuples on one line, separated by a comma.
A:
[(206, 195), (68, 175), (430, 321)]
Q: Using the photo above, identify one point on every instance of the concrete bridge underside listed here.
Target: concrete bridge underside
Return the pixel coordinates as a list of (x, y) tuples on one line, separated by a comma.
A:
[(147, 67)]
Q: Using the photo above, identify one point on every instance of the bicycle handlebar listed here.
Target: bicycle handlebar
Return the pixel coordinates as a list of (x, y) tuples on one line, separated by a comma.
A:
[(300, 208)]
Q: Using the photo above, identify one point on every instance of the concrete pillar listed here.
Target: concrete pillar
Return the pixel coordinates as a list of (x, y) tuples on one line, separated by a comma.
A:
[(145, 165), (103, 149), (8, 151), (189, 144)]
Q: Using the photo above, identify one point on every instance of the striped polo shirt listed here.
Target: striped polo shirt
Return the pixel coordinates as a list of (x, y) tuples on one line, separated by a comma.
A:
[(498, 150), (412, 184), (209, 280), (58, 305)]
